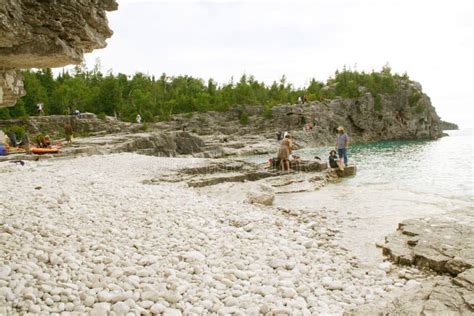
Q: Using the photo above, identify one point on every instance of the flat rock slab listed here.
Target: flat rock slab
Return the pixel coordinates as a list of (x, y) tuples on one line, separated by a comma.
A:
[(435, 297), (444, 245), (308, 166), (229, 177)]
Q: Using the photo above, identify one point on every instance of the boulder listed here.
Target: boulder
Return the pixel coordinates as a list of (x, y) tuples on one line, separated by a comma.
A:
[(263, 194)]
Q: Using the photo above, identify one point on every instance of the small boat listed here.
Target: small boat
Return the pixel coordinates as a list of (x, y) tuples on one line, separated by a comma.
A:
[(40, 151)]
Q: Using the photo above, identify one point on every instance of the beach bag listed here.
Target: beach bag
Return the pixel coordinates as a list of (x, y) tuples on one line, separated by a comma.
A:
[(275, 163)]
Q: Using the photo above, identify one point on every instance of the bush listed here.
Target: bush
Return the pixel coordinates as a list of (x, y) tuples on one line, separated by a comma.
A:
[(144, 127), (244, 118), (17, 129), (378, 103), (101, 116), (414, 98), (419, 109), (267, 112), (189, 115)]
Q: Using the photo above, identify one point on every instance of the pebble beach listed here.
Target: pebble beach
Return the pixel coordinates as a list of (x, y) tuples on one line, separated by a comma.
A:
[(90, 236)]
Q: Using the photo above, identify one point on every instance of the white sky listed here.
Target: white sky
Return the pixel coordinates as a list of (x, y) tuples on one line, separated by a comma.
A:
[(430, 40)]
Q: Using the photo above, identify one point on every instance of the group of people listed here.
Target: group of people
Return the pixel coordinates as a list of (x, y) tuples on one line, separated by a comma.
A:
[(337, 157), (302, 99)]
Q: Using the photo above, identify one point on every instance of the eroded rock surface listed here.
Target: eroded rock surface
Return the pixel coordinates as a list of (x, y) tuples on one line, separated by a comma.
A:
[(397, 118), (443, 245), (36, 34)]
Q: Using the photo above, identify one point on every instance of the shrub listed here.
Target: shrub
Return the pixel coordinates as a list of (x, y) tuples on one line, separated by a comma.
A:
[(189, 115), (267, 112), (378, 103), (144, 126), (43, 128), (101, 116), (414, 98), (244, 118), (17, 129), (419, 109)]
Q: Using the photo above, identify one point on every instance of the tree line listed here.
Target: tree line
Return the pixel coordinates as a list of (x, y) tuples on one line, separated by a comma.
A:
[(90, 90)]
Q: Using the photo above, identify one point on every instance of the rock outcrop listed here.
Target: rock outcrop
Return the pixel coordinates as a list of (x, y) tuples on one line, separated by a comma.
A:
[(447, 126), (36, 34), (444, 246), (437, 244), (366, 119)]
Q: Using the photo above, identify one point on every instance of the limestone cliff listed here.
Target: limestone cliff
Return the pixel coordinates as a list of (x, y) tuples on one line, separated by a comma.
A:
[(448, 126), (49, 33), (406, 114)]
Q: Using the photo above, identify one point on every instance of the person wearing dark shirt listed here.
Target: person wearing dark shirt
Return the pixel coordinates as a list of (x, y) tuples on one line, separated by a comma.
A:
[(334, 161), (279, 134)]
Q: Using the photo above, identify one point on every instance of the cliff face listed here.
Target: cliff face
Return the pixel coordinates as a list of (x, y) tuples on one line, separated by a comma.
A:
[(447, 126), (49, 33), (406, 114)]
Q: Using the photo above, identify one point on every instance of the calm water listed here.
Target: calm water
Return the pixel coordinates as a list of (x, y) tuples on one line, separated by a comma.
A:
[(396, 180), (443, 167)]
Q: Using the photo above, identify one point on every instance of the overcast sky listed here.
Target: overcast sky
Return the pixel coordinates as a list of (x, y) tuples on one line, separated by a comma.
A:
[(430, 40)]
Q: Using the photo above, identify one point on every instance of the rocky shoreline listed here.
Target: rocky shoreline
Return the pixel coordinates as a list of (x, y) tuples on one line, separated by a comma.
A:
[(442, 245), (127, 233), (198, 234), (162, 247)]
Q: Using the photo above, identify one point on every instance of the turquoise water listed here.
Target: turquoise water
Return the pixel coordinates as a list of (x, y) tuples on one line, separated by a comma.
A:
[(396, 180), (443, 167)]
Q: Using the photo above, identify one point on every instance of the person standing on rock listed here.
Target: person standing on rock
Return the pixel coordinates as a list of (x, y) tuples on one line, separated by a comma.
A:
[(39, 108), (139, 119), (284, 153), (68, 132), (341, 145), (278, 135)]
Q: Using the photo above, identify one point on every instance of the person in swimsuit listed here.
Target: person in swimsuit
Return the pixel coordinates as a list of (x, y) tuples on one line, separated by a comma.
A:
[(284, 153)]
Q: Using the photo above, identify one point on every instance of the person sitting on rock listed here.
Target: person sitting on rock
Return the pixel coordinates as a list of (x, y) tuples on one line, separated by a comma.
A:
[(295, 158), (284, 153), (334, 161), (43, 141)]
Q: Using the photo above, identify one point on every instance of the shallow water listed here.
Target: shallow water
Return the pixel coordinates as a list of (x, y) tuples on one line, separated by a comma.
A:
[(396, 180)]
